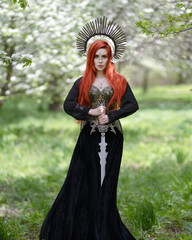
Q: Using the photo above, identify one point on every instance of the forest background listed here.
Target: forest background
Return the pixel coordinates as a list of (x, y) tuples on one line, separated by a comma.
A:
[(38, 64)]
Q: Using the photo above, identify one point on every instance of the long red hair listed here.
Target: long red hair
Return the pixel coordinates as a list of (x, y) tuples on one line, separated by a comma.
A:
[(116, 80)]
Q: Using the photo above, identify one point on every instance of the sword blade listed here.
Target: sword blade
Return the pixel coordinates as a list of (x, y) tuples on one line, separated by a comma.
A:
[(103, 156)]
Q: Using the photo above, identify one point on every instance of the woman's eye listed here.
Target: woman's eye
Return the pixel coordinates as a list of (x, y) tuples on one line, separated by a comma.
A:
[(103, 57)]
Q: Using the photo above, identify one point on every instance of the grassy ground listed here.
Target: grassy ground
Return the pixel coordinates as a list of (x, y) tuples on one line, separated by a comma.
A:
[(155, 182)]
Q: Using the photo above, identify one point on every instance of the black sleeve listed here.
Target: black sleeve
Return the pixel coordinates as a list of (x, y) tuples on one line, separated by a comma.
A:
[(128, 106), (71, 106)]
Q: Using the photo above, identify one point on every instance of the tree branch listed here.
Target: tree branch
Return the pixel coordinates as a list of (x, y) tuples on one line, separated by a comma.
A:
[(183, 30)]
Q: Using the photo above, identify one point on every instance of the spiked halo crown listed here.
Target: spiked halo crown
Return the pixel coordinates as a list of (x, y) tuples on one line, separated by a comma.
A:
[(102, 29)]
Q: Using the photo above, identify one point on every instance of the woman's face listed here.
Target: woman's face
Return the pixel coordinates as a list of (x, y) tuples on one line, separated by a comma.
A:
[(100, 59)]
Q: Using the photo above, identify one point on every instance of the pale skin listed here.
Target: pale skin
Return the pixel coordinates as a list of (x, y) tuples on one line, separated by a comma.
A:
[(100, 62)]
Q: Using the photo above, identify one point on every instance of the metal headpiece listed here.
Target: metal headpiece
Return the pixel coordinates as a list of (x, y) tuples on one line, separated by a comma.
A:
[(102, 29)]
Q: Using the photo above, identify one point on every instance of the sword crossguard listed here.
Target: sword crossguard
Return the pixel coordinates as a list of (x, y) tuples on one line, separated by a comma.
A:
[(112, 128), (102, 128), (93, 125)]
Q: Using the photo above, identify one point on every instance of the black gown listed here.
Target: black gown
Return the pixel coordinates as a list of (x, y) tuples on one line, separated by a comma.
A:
[(85, 209)]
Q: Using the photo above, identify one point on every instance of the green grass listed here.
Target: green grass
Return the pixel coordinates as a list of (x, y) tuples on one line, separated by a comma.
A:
[(154, 194)]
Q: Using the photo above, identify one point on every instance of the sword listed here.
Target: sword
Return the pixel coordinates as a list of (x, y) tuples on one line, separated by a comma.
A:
[(103, 155), (102, 128)]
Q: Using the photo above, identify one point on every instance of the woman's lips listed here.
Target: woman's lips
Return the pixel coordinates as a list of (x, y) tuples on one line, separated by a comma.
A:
[(100, 66)]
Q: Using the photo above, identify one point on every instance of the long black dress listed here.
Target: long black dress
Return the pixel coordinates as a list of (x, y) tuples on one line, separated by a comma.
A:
[(85, 208)]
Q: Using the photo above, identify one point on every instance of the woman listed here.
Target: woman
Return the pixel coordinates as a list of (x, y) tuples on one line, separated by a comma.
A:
[(85, 208)]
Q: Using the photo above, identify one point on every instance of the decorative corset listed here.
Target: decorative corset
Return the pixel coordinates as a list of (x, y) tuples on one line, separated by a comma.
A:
[(101, 98)]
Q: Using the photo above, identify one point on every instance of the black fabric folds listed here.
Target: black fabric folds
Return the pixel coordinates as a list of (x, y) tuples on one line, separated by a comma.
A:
[(71, 105), (85, 210)]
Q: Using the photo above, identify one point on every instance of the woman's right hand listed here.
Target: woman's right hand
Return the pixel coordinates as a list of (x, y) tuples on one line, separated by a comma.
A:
[(97, 111)]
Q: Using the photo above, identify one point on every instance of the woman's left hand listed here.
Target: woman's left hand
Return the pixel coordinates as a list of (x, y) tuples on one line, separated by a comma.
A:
[(103, 118)]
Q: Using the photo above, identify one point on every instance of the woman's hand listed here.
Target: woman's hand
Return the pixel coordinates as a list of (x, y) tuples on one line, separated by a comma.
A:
[(97, 111), (103, 118)]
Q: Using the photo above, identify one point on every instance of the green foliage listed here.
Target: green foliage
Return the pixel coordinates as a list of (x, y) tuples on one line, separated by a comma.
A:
[(144, 215), (180, 154), (170, 23), (26, 59), (4, 235), (23, 3)]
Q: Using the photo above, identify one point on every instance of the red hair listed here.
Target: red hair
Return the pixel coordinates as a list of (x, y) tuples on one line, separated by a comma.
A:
[(116, 80)]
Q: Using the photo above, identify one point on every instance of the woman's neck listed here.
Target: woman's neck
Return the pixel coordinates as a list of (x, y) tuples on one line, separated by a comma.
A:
[(100, 74)]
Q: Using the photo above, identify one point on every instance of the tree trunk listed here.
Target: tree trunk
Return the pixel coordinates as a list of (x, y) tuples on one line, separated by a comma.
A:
[(56, 93), (5, 86), (55, 103), (146, 80), (55, 106), (180, 79), (9, 71)]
